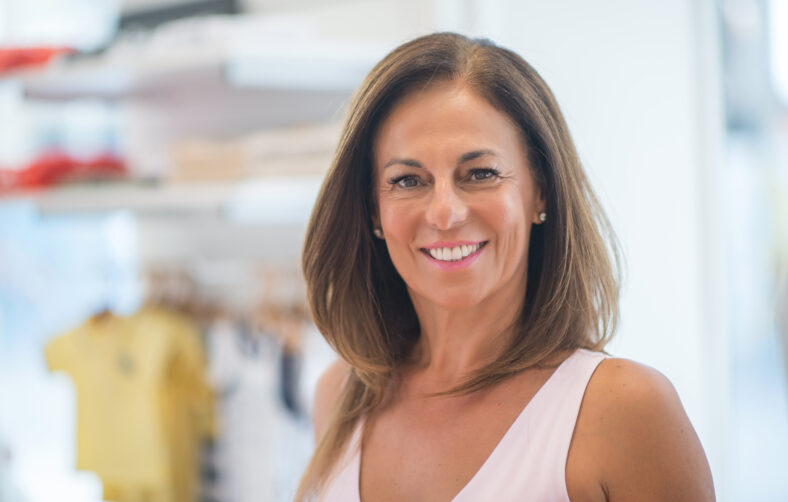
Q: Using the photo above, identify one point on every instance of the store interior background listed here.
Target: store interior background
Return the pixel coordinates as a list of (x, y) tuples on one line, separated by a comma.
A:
[(225, 123)]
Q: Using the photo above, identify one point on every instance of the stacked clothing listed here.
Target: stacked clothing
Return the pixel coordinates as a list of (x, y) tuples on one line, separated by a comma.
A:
[(304, 150)]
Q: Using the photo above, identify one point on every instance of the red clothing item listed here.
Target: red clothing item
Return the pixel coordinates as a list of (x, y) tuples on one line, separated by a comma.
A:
[(55, 167), (17, 58)]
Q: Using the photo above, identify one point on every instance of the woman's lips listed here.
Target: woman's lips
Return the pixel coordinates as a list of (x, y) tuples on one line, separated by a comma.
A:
[(454, 255)]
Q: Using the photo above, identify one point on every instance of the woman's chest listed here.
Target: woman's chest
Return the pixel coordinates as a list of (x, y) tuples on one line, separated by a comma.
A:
[(435, 453), (418, 463), (431, 451)]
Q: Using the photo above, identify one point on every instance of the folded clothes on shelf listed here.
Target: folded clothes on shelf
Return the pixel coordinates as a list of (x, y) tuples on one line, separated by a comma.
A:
[(17, 58), (56, 167), (293, 151)]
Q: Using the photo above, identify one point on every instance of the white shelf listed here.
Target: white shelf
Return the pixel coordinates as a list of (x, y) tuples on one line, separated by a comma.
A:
[(307, 67), (120, 76), (334, 69), (264, 200)]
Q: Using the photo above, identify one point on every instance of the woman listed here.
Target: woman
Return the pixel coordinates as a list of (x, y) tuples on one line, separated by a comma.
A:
[(459, 263)]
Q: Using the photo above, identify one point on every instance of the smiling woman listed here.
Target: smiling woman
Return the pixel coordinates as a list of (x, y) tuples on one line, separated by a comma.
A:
[(466, 182), (459, 263)]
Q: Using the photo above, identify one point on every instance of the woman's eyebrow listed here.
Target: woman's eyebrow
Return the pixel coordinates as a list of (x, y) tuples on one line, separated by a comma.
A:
[(465, 157), (407, 162)]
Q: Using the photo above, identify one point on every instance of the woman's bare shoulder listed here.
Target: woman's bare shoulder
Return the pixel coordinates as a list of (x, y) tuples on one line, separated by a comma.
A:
[(633, 419), (327, 392)]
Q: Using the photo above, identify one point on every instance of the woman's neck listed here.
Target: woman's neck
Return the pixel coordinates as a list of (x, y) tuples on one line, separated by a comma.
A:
[(456, 342)]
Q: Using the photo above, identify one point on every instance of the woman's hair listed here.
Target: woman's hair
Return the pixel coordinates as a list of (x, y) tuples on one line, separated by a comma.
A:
[(361, 304)]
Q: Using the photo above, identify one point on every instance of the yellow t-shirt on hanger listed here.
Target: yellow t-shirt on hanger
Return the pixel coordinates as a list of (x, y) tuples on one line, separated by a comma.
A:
[(142, 402), (187, 402), (117, 372)]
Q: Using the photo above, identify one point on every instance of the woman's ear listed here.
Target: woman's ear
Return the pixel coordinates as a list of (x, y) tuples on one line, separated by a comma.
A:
[(377, 231), (374, 217), (540, 214)]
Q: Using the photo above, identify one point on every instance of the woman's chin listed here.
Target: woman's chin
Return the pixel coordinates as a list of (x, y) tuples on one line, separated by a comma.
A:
[(448, 301)]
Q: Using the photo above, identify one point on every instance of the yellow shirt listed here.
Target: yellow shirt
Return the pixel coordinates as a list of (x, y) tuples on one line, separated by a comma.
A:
[(142, 402), (187, 402)]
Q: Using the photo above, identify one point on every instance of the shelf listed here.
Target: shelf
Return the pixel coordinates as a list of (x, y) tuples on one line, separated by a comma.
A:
[(118, 79), (307, 67), (310, 67), (258, 201)]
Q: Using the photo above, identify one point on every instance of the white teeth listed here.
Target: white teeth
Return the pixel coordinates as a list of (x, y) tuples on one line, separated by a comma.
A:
[(454, 254)]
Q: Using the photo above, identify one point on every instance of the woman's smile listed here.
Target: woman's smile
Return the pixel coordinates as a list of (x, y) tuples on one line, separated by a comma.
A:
[(453, 255)]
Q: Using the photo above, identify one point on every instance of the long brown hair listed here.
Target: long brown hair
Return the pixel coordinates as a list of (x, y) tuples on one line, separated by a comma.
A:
[(358, 300)]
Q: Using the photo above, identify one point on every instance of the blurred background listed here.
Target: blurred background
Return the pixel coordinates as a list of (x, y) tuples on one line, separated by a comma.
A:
[(158, 163)]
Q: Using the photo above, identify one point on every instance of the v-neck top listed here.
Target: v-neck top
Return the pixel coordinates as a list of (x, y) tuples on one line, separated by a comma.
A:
[(527, 464)]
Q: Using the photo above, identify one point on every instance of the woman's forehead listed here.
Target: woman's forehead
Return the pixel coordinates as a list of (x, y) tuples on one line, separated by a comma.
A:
[(447, 115)]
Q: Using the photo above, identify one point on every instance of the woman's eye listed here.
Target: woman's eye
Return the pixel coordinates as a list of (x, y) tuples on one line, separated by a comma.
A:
[(482, 174), (405, 181)]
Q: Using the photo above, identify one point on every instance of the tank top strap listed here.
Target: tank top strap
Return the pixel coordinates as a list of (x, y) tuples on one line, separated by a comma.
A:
[(342, 483), (552, 423), (530, 461)]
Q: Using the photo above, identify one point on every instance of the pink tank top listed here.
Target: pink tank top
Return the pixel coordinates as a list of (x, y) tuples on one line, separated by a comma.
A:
[(529, 463)]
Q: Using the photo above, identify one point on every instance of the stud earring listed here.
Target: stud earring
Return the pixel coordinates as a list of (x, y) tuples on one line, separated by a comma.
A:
[(542, 216), (378, 233)]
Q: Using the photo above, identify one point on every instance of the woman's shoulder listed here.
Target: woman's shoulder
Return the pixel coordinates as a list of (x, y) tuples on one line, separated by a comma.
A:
[(633, 418), (631, 391), (327, 392), (620, 377)]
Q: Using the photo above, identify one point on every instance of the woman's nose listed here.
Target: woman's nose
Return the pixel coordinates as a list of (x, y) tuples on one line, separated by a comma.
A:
[(446, 208)]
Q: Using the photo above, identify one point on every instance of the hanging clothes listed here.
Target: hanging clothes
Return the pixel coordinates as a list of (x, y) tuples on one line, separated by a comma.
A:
[(8, 489), (262, 446), (143, 402), (245, 380)]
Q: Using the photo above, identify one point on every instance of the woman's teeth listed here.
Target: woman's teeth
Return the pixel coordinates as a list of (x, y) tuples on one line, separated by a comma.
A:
[(456, 253)]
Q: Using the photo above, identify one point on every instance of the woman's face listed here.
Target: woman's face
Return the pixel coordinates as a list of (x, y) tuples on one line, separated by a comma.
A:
[(456, 198)]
